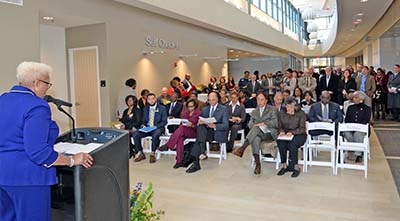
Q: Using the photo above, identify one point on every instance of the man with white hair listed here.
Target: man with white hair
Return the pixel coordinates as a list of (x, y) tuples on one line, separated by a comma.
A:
[(357, 113)]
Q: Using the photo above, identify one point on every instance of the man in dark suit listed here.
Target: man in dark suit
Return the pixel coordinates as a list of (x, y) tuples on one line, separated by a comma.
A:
[(153, 116), (269, 86), (253, 86), (237, 117), (175, 107), (324, 111), (329, 83), (217, 131), (187, 85)]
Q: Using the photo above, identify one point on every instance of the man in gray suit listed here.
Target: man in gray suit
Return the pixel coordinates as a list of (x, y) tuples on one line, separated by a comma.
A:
[(308, 83), (269, 86), (263, 127), (217, 131), (237, 116)]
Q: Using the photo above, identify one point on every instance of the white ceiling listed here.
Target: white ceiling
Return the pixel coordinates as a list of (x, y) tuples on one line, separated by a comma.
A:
[(348, 34)]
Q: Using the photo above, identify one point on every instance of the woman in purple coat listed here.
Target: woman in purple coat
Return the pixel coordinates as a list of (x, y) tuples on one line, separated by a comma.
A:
[(188, 130)]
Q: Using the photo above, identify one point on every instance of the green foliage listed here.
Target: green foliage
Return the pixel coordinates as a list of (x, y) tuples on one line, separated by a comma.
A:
[(141, 208)]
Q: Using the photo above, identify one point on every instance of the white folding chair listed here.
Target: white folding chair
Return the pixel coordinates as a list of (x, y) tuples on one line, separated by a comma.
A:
[(242, 138), (344, 145), (276, 160), (320, 143), (167, 134), (249, 110), (222, 152)]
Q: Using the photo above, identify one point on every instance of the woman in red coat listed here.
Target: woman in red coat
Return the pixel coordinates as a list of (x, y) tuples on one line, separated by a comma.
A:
[(176, 141), (175, 88)]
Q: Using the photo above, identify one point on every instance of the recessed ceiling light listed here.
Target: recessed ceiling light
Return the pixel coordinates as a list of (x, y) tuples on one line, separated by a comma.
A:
[(359, 19), (231, 50), (239, 52), (360, 14), (363, 0), (48, 18), (356, 22)]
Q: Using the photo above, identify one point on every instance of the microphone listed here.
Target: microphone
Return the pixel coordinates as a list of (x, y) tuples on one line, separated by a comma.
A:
[(57, 102)]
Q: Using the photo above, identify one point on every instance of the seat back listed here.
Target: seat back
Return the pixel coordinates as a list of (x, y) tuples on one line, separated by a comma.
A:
[(322, 140), (353, 127), (249, 110), (172, 122)]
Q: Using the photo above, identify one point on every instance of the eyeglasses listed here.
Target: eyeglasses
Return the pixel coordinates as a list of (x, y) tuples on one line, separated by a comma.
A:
[(48, 83)]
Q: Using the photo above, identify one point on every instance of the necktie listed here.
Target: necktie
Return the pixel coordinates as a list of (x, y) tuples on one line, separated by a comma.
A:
[(172, 107), (233, 108), (327, 81), (254, 87), (212, 111), (307, 82), (151, 121), (325, 112)]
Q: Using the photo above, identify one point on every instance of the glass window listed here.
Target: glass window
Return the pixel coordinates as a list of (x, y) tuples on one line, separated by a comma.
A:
[(269, 7), (256, 3), (263, 5)]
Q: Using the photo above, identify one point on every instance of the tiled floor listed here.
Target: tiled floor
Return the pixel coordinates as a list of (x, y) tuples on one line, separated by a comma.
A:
[(231, 192)]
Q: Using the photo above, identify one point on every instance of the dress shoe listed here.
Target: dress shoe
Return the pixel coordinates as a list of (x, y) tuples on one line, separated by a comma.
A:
[(282, 171), (359, 159), (140, 157), (163, 148), (295, 173), (239, 151), (257, 169), (177, 165), (152, 158), (195, 167), (203, 156)]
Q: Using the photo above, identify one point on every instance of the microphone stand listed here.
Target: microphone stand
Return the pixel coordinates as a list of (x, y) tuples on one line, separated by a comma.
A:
[(73, 135)]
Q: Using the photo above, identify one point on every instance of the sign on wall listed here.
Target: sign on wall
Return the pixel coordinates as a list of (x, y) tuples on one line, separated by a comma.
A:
[(156, 42)]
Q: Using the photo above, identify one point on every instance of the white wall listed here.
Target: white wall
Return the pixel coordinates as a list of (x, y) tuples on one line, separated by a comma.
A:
[(53, 53), (389, 52), (263, 65)]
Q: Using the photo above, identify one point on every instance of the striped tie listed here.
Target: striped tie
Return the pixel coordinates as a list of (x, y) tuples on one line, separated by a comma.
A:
[(151, 121)]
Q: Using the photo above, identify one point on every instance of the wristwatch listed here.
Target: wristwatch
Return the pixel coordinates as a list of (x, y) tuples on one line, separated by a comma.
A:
[(71, 161)]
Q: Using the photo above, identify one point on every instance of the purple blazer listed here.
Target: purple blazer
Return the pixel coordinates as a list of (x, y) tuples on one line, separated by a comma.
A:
[(191, 131)]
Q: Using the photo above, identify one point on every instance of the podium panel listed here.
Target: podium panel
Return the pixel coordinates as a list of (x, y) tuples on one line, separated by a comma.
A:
[(100, 192)]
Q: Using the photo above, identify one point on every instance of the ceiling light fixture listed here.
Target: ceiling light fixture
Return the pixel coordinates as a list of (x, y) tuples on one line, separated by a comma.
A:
[(360, 14), (48, 18), (362, 1), (231, 50)]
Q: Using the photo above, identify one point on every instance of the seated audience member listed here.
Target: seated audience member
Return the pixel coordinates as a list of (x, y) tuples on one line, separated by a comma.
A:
[(153, 116), (298, 95), (222, 85), (131, 119), (224, 97), (217, 131), (164, 99), (175, 107), (291, 122), (143, 99), (357, 113), (308, 83), (242, 97), (176, 88), (324, 111), (237, 117), (253, 87), (183, 132), (187, 86), (213, 85), (278, 102), (349, 101), (200, 104), (263, 124), (285, 94), (307, 102), (129, 89)]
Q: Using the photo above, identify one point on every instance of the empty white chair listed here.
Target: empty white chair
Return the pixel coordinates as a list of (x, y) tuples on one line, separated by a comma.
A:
[(320, 143), (344, 145)]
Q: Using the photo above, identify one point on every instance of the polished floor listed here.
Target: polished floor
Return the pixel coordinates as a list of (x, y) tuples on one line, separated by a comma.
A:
[(231, 192)]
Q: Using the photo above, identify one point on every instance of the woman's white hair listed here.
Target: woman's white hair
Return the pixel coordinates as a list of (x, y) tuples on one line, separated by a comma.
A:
[(28, 72), (360, 95)]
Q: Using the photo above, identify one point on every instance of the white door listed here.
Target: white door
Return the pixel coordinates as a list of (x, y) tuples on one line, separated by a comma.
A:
[(85, 86)]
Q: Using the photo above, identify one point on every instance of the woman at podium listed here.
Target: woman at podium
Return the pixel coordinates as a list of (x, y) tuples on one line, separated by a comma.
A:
[(27, 157)]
